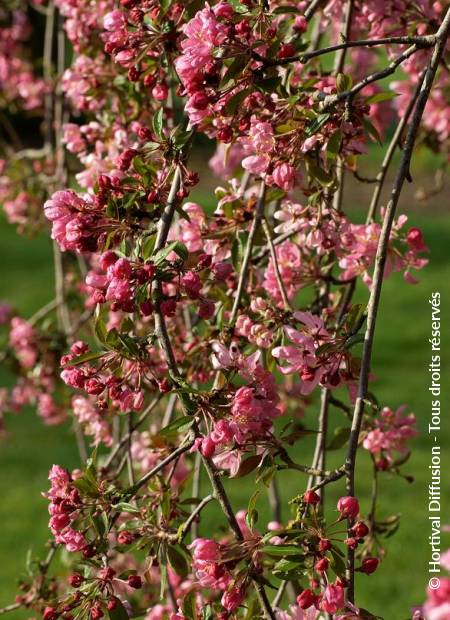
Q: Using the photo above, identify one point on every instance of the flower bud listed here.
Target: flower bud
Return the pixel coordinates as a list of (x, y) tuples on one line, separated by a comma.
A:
[(369, 565), (134, 581), (286, 50), (351, 543), (311, 497), (348, 506), (324, 544), (125, 538), (76, 580), (306, 599), (360, 529), (322, 565)]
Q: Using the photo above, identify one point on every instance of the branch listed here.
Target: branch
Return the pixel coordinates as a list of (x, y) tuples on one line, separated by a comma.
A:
[(420, 42), (331, 100), (164, 342), (380, 261), (185, 446), (197, 510), (381, 176), (126, 437), (276, 266), (259, 211)]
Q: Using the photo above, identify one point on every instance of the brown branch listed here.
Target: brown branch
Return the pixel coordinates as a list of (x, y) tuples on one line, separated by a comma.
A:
[(381, 176), (331, 100), (276, 266), (380, 261), (165, 344), (421, 42), (259, 212), (197, 510)]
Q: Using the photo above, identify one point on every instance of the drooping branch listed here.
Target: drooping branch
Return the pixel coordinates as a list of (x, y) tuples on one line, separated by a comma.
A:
[(380, 262)]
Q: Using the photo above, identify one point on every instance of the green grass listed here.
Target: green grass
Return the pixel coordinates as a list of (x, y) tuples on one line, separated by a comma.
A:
[(400, 364)]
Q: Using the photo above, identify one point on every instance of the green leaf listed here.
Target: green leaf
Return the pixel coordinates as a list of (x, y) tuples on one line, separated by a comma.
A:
[(340, 438), (158, 123), (177, 560), (119, 612), (179, 425), (189, 607), (237, 252), (207, 613), (379, 97), (252, 514), (281, 550), (334, 144), (236, 67), (372, 130), (86, 357), (86, 486), (269, 85), (176, 246), (355, 317), (126, 507), (148, 246), (355, 339), (317, 124), (235, 101), (337, 564)]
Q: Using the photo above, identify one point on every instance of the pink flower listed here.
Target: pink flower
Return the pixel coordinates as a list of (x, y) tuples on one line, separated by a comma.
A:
[(203, 34), (115, 20), (192, 284), (73, 540), (332, 599), (283, 175), (258, 146), (232, 598)]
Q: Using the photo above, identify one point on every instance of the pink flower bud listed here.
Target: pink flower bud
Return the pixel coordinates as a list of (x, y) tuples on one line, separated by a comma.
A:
[(324, 545), (311, 497), (415, 240), (360, 529), (284, 176), (160, 92), (348, 506), (135, 581), (206, 310), (322, 565), (369, 565), (306, 599), (168, 307), (232, 599), (208, 447), (192, 284), (222, 270)]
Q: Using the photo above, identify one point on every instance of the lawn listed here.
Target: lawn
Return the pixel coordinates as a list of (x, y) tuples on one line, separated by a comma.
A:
[(401, 358)]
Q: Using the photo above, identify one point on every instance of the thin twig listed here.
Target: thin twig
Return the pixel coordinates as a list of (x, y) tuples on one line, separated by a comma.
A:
[(276, 266), (381, 176), (135, 426), (259, 211), (192, 517)]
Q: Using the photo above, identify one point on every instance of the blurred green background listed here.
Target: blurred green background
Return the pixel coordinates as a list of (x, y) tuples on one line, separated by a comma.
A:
[(400, 363)]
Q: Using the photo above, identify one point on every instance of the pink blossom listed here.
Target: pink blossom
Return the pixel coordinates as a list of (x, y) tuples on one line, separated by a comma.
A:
[(332, 599), (283, 175)]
